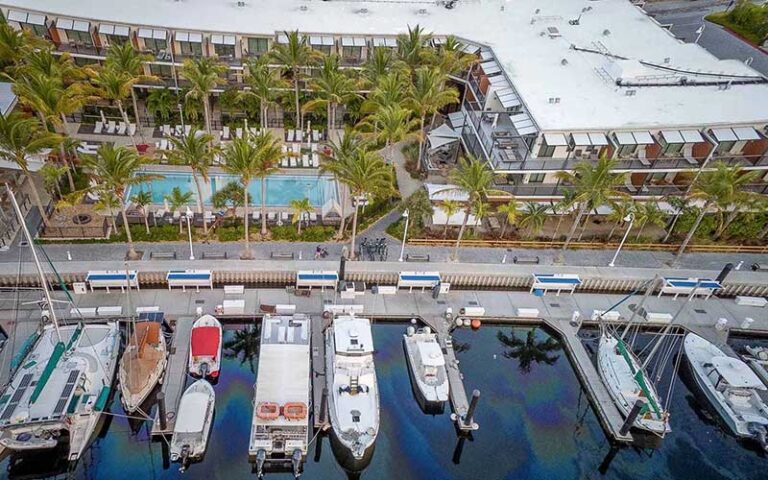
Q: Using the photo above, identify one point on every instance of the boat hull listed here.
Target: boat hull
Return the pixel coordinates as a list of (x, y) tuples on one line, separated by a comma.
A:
[(431, 407), (344, 456)]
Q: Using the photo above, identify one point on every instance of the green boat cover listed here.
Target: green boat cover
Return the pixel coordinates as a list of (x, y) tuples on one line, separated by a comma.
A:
[(101, 402), (58, 351)]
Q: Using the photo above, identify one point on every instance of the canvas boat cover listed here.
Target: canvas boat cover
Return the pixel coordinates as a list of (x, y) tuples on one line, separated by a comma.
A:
[(205, 341)]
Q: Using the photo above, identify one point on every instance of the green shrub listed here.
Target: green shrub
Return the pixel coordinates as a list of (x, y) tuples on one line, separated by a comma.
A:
[(316, 233), (411, 154), (747, 226), (231, 234), (162, 233), (396, 229), (686, 220), (746, 19)]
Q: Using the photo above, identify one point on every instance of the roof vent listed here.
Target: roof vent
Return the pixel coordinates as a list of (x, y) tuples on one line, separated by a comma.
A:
[(240, 4), (553, 32), (554, 100), (575, 21), (422, 11), (630, 93), (362, 11), (606, 32), (303, 8), (538, 10), (564, 62), (667, 59)]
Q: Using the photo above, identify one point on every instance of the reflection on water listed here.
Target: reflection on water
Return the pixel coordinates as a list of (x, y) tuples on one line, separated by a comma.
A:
[(535, 422)]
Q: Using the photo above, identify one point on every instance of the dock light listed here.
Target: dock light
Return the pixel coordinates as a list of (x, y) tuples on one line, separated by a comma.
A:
[(405, 235)]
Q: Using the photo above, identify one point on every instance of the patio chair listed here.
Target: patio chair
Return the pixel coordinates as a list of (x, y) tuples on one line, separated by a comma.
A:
[(98, 127), (121, 128), (284, 216), (315, 160), (111, 127), (313, 217), (289, 135), (187, 129), (271, 217), (225, 133), (166, 130), (256, 216), (293, 162), (305, 161), (131, 129), (239, 132)]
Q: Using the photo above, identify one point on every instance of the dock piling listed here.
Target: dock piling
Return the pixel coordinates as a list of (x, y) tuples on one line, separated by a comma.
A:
[(469, 419), (324, 407), (636, 408)]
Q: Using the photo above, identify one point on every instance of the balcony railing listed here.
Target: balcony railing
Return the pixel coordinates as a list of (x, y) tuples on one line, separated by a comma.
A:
[(558, 190), (83, 49)]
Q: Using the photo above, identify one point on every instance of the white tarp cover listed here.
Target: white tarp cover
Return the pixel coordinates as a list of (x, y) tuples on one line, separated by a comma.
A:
[(439, 192)]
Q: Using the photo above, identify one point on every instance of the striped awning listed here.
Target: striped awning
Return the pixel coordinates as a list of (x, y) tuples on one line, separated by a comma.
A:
[(320, 40), (352, 42), (152, 33), (75, 25), (672, 136), (24, 17), (191, 37), (691, 136), (724, 135), (217, 39), (490, 67), (746, 133), (384, 42), (118, 30)]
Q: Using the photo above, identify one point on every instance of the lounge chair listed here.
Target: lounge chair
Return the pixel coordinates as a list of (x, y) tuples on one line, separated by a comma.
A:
[(98, 127), (121, 128), (111, 127), (305, 161), (299, 135), (225, 133), (313, 217), (166, 130), (315, 160), (271, 217), (187, 129), (131, 129), (256, 216), (296, 149), (239, 132), (293, 162), (315, 135), (284, 217), (289, 136)]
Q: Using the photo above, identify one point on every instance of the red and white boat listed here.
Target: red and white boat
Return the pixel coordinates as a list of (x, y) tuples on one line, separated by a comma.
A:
[(205, 347)]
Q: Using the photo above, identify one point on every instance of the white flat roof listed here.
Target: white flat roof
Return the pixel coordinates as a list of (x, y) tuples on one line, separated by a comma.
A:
[(579, 67)]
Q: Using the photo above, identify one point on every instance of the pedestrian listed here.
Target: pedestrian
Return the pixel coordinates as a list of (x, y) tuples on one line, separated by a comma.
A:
[(318, 252), (344, 252)]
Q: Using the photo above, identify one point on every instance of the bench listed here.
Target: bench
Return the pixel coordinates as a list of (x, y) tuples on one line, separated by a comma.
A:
[(281, 255), (163, 255), (760, 267), (416, 257), (215, 255), (751, 301), (526, 260), (234, 289)]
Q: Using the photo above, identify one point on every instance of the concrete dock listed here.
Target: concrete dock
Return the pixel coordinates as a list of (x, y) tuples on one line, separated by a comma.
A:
[(321, 420), (175, 378)]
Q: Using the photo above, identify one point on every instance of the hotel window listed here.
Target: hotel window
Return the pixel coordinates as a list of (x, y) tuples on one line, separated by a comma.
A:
[(30, 22), (115, 34), (224, 45), (546, 151), (352, 49), (724, 148), (627, 150), (154, 40), (258, 46), (536, 177), (321, 43), (78, 31), (673, 149), (162, 71), (190, 44)]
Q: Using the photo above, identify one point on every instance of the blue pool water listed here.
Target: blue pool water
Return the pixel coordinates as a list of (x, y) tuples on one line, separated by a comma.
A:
[(281, 189), (535, 423)]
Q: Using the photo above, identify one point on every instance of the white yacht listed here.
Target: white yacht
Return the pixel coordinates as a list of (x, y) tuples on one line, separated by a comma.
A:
[(280, 428), (193, 423), (427, 368), (353, 396), (60, 389), (625, 379), (731, 387)]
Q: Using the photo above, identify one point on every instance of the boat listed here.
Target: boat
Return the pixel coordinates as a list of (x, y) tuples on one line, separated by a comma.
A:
[(757, 358), (353, 395), (193, 423), (205, 348), (426, 364), (731, 388), (142, 365), (280, 429), (626, 382), (58, 391)]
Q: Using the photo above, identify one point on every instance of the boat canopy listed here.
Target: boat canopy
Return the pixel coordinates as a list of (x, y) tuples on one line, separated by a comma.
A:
[(737, 373), (205, 341), (192, 413), (353, 336), (431, 355)]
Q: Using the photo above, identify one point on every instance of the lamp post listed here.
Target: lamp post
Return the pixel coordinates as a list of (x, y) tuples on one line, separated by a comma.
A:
[(405, 235), (188, 216), (629, 218)]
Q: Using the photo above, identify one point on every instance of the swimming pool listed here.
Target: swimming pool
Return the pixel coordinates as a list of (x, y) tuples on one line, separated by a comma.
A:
[(281, 189)]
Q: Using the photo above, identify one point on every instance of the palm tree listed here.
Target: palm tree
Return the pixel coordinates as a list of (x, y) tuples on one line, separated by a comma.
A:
[(481, 210), (411, 46), (594, 184), (143, 199), (733, 200), (365, 174), (126, 59), (450, 208), (114, 170), (390, 89), (379, 63), (715, 187), (619, 211), (265, 85), (510, 212), (51, 175), (533, 218), (391, 124), (299, 209), (450, 58), (529, 351), (649, 213), (428, 95), (340, 152), (109, 205), (294, 56), (203, 75), (178, 199), (20, 139), (116, 86), (14, 46), (474, 180), (161, 102), (195, 151), (333, 88)]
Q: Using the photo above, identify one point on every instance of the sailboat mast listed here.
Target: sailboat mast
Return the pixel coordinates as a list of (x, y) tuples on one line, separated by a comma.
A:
[(43, 281), (130, 308), (669, 326), (648, 292)]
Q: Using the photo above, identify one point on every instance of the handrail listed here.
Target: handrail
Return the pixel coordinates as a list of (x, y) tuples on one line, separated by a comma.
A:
[(657, 247)]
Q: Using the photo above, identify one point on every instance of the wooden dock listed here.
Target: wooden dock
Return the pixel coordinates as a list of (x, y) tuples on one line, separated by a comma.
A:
[(319, 324), (602, 403), (175, 378), (457, 393)]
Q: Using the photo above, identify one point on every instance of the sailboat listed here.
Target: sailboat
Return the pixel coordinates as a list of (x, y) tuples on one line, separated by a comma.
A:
[(205, 347), (353, 395), (58, 392), (193, 423), (143, 364)]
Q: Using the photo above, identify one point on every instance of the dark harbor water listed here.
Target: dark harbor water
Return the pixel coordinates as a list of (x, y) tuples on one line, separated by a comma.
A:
[(535, 422)]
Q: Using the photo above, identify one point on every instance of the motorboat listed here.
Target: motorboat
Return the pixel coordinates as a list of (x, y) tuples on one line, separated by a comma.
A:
[(193, 423), (143, 364), (280, 428), (731, 388), (626, 381), (60, 389), (757, 358), (353, 395), (427, 368), (205, 347)]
